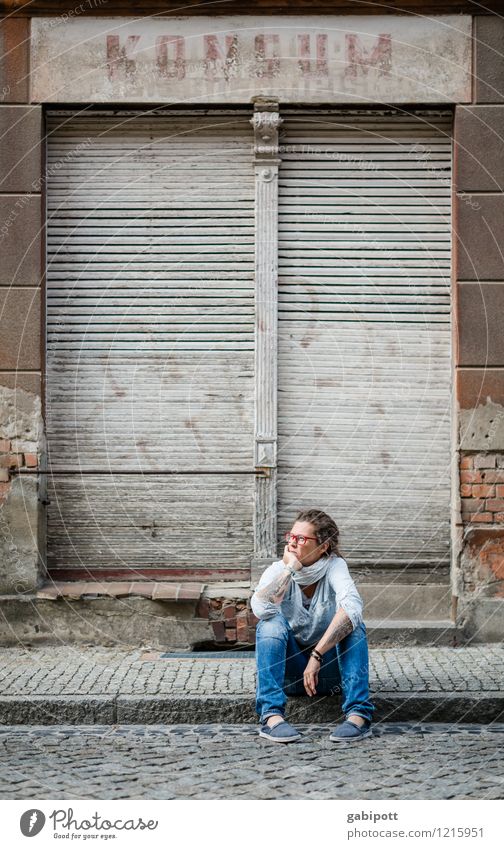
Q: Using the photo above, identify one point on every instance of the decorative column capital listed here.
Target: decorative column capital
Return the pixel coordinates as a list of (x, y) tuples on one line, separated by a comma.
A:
[(266, 122)]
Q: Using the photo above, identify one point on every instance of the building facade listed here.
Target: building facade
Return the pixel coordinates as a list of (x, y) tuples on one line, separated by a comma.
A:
[(252, 264)]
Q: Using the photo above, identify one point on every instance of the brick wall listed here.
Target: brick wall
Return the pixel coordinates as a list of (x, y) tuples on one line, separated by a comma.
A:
[(232, 620), (482, 488), (10, 460)]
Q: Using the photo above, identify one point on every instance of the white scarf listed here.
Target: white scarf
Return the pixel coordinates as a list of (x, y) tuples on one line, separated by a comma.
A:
[(309, 574)]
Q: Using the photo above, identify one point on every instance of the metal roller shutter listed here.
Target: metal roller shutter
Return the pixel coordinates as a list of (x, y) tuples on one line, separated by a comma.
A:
[(150, 342), (364, 329)]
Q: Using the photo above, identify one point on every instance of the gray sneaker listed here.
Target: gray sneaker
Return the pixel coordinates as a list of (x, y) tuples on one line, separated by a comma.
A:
[(282, 732), (349, 732)]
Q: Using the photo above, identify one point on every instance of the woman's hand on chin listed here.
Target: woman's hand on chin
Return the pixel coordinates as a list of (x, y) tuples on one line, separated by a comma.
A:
[(290, 559)]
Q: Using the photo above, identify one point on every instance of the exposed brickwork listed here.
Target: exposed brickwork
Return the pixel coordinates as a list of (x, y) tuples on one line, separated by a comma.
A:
[(482, 488), (9, 460), (482, 500), (232, 620)]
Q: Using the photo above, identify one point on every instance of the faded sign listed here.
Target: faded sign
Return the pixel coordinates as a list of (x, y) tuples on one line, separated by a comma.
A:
[(315, 59)]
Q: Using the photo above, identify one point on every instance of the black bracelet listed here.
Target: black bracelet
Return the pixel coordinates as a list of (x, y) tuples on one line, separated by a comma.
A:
[(316, 655)]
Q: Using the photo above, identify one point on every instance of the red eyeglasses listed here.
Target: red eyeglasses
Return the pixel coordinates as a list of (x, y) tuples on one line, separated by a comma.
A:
[(295, 538)]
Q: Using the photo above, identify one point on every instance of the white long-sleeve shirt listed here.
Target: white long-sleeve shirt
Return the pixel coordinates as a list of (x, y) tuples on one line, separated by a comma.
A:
[(336, 589)]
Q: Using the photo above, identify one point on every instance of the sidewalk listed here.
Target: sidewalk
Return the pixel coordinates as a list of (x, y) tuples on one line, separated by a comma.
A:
[(86, 685)]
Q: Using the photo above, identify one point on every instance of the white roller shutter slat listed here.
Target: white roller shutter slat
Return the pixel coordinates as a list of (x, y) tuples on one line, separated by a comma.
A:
[(150, 340), (364, 330)]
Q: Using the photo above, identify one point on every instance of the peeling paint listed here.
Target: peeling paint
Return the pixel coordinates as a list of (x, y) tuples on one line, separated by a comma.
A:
[(21, 432), (19, 537), (483, 562), (482, 428), (20, 418)]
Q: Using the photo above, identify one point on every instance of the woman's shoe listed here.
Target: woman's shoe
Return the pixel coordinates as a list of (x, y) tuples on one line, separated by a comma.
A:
[(282, 732), (349, 732)]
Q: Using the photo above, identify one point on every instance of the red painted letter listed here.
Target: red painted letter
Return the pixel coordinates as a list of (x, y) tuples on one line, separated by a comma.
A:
[(175, 67), (218, 65), (358, 58), (310, 65), (266, 54), (121, 57)]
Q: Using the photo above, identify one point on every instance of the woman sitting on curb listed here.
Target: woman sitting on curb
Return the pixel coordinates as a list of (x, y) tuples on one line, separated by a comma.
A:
[(308, 599)]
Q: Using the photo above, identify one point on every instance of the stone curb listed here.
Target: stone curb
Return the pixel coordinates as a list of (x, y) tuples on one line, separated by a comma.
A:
[(480, 707), (57, 710)]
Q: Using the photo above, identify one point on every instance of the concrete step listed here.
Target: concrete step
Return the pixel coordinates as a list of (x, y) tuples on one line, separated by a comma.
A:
[(405, 601), (388, 633)]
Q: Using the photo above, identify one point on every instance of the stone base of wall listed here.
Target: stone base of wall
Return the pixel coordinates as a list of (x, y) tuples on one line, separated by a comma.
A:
[(482, 619), (130, 622), (189, 625)]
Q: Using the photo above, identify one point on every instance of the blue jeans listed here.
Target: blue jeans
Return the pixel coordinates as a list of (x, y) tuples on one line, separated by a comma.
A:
[(281, 663)]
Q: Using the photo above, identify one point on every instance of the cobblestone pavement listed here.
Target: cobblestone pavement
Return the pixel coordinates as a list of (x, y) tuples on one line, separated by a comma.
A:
[(82, 670), (400, 761)]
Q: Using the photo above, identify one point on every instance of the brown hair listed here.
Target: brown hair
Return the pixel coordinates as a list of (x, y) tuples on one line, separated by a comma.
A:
[(325, 528)]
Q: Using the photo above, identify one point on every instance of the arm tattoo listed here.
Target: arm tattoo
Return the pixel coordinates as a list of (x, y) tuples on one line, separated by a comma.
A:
[(338, 629), (275, 591)]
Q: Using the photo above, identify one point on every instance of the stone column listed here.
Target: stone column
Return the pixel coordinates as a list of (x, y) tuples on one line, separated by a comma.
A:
[(21, 314), (479, 272)]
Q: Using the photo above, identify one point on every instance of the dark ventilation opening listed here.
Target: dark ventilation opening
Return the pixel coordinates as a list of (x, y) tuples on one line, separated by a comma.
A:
[(210, 650), (222, 648)]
